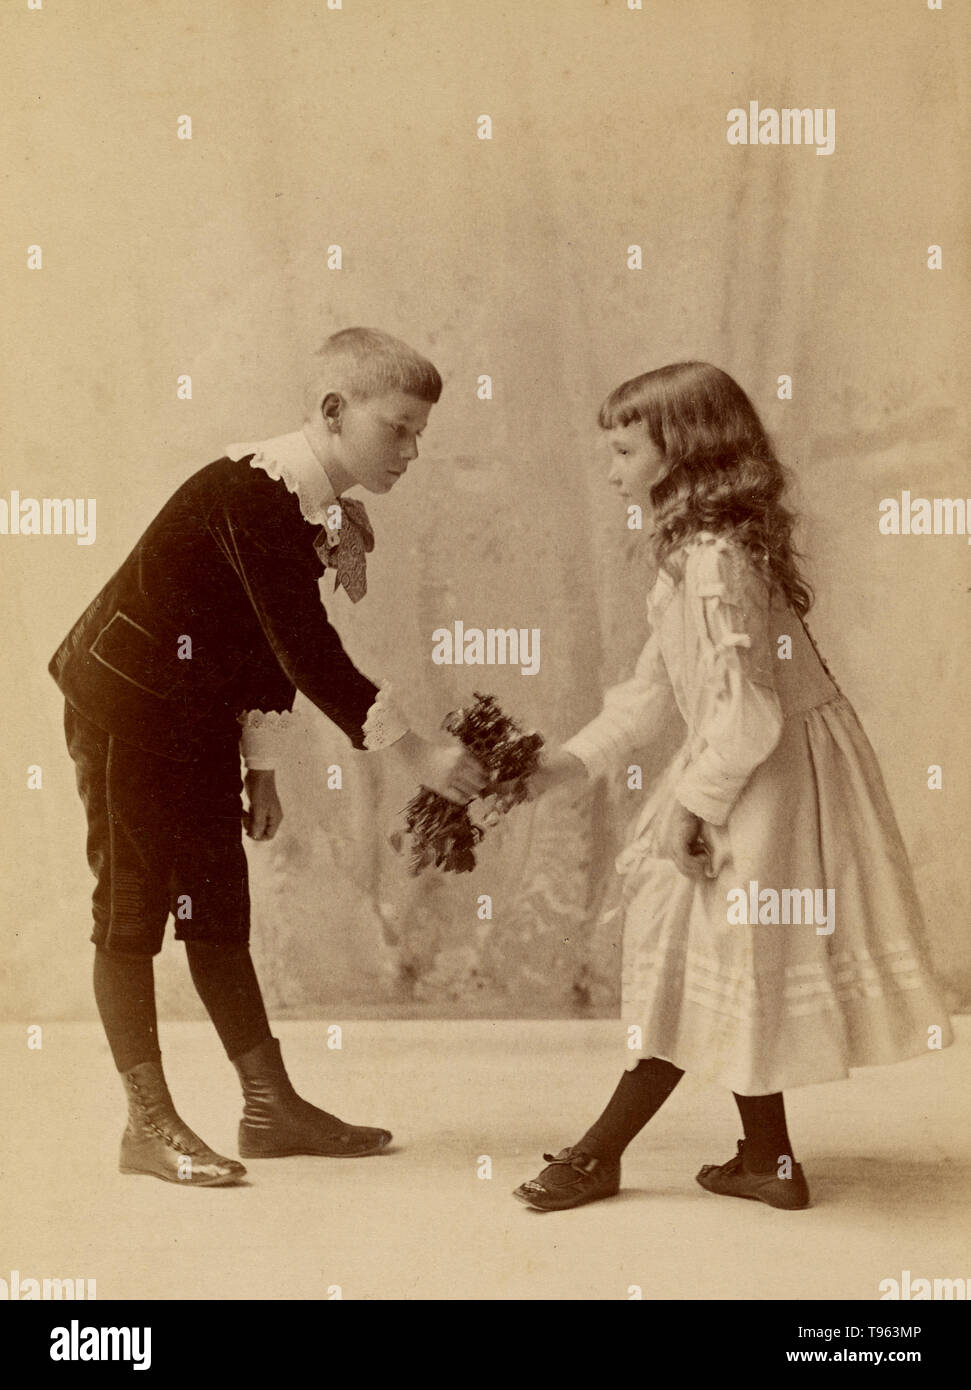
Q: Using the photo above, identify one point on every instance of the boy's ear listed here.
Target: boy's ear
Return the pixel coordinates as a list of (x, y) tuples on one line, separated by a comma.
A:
[(332, 410)]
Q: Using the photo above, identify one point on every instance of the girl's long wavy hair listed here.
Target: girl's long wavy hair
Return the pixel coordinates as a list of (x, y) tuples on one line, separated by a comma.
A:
[(720, 471)]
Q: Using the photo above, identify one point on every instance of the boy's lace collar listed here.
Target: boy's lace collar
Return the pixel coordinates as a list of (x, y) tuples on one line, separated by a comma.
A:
[(290, 459)]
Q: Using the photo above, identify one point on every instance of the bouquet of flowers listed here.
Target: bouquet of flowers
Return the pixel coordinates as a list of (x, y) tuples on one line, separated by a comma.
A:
[(439, 831)]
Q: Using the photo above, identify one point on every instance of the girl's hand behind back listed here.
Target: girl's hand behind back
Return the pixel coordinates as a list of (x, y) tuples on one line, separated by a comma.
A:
[(685, 844)]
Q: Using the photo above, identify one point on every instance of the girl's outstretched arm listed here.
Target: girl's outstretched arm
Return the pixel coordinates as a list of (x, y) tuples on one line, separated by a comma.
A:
[(556, 767), (632, 713)]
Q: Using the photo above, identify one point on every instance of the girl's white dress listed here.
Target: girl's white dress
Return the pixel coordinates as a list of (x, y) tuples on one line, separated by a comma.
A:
[(743, 978)]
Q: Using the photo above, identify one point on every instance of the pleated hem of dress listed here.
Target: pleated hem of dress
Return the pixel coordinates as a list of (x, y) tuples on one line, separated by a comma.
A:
[(772, 1082)]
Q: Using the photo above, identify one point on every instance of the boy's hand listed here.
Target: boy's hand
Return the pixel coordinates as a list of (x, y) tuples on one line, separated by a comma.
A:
[(452, 772), (262, 817), (448, 769), (685, 844)]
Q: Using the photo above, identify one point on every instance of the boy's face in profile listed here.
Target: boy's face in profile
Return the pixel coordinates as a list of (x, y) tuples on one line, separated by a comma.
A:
[(379, 437)]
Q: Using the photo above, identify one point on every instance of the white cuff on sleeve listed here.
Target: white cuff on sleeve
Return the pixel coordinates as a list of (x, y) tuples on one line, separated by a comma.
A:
[(384, 723), (713, 809), (260, 735)]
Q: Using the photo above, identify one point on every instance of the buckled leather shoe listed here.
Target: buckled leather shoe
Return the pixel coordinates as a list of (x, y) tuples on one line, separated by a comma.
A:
[(732, 1179), (572, 1178)]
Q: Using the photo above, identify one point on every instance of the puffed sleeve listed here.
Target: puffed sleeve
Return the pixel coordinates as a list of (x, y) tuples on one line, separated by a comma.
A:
[(729, 667), (631, 713)]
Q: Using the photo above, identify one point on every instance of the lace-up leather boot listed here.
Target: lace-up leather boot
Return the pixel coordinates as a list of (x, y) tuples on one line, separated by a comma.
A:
[(158, 1143)]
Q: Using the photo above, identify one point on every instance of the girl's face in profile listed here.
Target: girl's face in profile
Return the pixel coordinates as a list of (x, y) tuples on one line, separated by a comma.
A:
[(636, 462)]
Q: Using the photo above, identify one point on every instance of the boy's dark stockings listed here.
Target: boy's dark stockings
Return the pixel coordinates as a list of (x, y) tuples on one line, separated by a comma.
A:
[(124, 990), (226, 983)]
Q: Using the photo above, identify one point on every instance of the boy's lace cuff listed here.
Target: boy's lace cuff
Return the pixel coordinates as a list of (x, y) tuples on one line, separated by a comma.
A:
[(260, 735), (384, 723)]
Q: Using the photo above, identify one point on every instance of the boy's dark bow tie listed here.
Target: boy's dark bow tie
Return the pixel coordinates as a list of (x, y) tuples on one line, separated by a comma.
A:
[(344, 548)]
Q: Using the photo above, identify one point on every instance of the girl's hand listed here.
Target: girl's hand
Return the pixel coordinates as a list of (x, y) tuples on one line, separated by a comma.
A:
[(684, 843), (262, 817), (556, 767)]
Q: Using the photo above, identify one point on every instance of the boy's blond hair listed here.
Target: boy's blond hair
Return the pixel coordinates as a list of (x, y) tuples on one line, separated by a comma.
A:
[(364, 362)]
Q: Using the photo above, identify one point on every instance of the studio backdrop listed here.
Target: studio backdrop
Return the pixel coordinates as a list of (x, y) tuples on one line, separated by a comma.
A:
[(597, 224)]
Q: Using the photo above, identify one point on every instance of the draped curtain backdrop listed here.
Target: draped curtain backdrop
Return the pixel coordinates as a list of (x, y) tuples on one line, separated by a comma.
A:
[(508, 257)]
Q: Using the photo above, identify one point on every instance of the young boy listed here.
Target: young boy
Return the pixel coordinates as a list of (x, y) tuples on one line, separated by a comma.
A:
[(213, 622)]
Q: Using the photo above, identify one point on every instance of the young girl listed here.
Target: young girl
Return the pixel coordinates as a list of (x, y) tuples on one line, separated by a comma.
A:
[(772, 936)]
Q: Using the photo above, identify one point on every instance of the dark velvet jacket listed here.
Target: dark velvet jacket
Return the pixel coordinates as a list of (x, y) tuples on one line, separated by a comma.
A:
[(229, 562)]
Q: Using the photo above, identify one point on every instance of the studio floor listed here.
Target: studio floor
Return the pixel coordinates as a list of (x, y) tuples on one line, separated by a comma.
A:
[(887, 1154)]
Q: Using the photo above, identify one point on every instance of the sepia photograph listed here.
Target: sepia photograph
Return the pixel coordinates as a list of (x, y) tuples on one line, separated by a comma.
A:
[(485, 540)]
